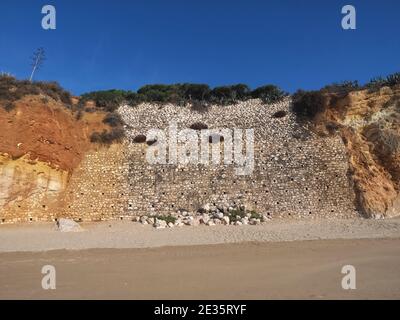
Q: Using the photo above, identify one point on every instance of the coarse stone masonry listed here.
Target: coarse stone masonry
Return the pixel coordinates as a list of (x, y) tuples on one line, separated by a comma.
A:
[(296, 173)]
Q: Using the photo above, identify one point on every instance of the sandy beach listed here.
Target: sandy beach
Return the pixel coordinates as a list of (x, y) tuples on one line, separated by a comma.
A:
[(126, 234), (276, 270), (125, 260)]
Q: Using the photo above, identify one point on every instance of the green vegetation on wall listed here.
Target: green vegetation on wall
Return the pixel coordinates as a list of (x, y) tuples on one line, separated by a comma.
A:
[(183, 93)]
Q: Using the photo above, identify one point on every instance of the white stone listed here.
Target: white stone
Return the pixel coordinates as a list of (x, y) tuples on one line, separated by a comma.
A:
[(143, 219), (254, 221), (194, 222), (68, 225), (225, 220), (160, 224), (266, 218), (218, 215), (217, 221), (150, 220), (205, 218)]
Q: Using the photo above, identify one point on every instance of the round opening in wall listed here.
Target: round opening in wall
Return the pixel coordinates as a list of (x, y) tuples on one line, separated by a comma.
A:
[(199, 126), (140, 138), (151, 142), (279, 114)]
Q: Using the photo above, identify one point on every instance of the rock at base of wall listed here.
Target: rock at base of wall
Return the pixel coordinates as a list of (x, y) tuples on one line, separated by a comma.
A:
[(68, 225)]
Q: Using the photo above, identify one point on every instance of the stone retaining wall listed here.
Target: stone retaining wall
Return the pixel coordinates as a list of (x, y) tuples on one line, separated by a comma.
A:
[(296, 173)]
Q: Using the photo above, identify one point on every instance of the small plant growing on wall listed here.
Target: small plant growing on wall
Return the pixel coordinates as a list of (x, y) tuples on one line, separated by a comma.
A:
[(166, 218), (236, 215)]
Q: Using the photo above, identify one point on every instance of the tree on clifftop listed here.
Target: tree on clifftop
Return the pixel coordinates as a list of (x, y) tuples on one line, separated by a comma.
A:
[(37, 61)]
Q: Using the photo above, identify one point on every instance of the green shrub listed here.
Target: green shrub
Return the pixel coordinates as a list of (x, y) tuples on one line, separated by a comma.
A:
[(174, 93), (109, 100), (108, 137), (241, 91), (12, 89), (234, 214), (230, 94), (343, 87), (167, 219), (9, 106), (307, 104), (393, 79), (160, 93), (375, 83), (183, 93), (195, 92), (379, 82), (54, 90), (255, 215), (268, 94), (79, 115), (113, 119)]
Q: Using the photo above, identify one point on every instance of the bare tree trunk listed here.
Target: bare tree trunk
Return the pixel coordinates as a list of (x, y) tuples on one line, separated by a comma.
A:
[(34, 69), (38, 58)]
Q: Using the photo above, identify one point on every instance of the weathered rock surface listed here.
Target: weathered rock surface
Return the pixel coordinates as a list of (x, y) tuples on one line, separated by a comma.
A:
[(369, 125)]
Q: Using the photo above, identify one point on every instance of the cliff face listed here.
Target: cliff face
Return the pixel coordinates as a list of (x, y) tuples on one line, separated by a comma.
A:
[(41, 143), (49, 168), (45, 130), (369, 123), (29, 189)]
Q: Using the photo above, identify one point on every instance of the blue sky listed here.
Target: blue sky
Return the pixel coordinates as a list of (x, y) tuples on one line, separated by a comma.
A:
[(125, 44)]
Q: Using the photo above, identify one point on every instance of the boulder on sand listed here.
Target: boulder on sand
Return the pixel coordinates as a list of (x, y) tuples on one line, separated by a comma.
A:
[(68, 225)]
